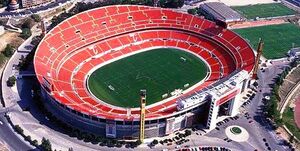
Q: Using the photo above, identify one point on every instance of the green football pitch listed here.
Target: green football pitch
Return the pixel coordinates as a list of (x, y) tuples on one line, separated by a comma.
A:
[(159, 71), (278, 39), (264, 10)]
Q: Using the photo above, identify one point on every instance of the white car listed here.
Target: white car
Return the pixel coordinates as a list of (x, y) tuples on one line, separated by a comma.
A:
[(267, 97)]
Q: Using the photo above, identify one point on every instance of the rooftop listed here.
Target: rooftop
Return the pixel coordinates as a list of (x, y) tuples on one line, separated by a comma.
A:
[(220, 11)]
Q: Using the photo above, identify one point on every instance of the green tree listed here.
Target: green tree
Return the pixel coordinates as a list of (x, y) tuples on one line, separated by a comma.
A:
[(155, 142), (255, 84), (35, 142), (171, 3), (18, 129), (26, 33), (28, 23), (149, 2), (8, 51), (294, 63), (3, 3), (138, 142), (28, 138), (46, 145), (1, 21), (11, 81), (36, 40), (187, 132), (291, 140), (192, 11), (36, 17)]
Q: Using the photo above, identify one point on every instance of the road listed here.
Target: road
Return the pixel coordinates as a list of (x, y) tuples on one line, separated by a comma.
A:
[(33, 10), (12, 140)]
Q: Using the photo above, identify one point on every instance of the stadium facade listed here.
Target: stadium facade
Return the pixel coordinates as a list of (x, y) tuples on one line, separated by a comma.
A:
[(78, 45)]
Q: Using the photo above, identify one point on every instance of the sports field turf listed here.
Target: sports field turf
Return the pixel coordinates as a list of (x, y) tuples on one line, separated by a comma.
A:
[(159, 71), (278, 39), (264, 10)]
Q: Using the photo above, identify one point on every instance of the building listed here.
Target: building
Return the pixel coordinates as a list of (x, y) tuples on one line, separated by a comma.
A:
[(13, 5), (295, 2), (92, 38), (31, 3), (220, 12)]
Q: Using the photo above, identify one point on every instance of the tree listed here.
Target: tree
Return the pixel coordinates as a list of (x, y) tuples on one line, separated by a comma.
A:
[(3, 3), (36, 40), (46, 145), (138, 142), (192, 11), (255, 84), (26, 33), (294, 63), (28, 138), (171, 3), (1, 21), (187, 132), (149, 2), (155, 142), (18, 129), (36, 17), (28, 23), (8, 51), (291, 140), (181, 135), (35, 142), (11, 81)]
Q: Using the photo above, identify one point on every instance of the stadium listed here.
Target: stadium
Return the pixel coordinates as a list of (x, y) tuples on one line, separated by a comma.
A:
[(92, 66)]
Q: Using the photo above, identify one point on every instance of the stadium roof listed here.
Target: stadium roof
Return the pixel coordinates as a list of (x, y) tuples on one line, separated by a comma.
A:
[(221, 12)]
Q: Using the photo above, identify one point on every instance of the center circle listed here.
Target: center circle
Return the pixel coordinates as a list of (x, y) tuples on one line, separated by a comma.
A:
[(160, 71)]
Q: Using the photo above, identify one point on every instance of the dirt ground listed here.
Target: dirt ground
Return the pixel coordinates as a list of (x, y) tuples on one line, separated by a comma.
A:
[(257, 23), (3, 147), (10, 38)]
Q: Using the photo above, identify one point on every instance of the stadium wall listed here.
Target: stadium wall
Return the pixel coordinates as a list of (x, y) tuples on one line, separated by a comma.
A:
[(121, 129)]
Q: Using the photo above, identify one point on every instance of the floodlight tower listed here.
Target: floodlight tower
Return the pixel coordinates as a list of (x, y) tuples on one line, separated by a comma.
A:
[(142, 115), (259, 53), (44, 27)]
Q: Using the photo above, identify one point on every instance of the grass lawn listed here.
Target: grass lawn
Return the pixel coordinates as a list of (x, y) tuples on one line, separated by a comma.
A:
[(236, 130), (264, 10), (288, 120), (278, 39), (159, 71)]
